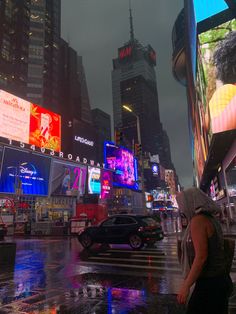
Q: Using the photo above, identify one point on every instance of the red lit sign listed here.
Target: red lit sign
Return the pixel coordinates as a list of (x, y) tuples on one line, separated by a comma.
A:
[(125, 52), (152, 55), (45, 128)]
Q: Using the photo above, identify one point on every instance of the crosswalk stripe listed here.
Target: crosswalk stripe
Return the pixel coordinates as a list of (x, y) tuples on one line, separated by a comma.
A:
[(138, 251), (130, 260), (157, 256), (133, 266)]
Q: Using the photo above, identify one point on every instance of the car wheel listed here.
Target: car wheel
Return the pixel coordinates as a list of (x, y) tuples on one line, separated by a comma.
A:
[(86, 240), (135, 241)]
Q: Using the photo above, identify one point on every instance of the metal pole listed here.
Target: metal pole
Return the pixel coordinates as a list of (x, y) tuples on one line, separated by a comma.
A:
[(141, 160)]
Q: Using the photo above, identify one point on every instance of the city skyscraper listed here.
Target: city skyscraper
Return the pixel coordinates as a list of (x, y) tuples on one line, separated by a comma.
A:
[(102, 125), (14, 45), (29, 50), (43, 60), (134, 84)]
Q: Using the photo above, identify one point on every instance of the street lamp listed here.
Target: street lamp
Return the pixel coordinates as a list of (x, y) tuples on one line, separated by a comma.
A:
[(127, 108)]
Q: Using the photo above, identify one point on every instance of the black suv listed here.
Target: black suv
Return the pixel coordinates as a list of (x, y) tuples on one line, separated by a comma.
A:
[(135, 230)]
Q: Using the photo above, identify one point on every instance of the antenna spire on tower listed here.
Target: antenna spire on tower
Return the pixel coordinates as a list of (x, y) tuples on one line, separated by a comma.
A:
[(131, 22)]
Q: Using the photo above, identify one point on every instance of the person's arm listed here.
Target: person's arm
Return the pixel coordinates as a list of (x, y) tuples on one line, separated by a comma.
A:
[(200, 243)]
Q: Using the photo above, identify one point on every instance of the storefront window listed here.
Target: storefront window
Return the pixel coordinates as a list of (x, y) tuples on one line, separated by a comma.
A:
[(231, 178)]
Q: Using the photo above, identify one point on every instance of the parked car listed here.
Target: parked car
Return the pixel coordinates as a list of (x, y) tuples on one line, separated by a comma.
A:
[(135, 230)]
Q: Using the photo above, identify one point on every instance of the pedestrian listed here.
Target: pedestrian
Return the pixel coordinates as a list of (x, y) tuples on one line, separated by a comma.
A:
[(202, 256)]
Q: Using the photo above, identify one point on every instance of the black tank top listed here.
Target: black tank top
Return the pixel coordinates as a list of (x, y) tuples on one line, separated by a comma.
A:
[(215, 264)]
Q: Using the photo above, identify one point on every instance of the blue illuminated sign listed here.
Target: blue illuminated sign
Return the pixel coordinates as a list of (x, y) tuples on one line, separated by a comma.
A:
[(94, 180), (155, 169), (25, 171), (207, 8)]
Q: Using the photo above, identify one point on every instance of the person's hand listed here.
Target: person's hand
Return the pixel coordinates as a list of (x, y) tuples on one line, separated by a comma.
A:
[(183, 294)]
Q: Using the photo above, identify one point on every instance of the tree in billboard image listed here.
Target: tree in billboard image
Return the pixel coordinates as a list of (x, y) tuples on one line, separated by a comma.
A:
[(218, 52), (45, 128)]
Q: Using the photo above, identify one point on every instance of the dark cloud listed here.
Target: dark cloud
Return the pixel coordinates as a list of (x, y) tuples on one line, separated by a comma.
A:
[(97, 28)]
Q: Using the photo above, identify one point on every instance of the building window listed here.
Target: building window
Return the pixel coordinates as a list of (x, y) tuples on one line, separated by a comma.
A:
[(5, 52)]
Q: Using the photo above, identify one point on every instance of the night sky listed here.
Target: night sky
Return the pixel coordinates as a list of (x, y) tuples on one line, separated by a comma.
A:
[(97, 28)]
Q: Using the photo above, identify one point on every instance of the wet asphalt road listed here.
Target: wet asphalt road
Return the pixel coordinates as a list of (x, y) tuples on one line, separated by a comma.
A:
[(58, 276)]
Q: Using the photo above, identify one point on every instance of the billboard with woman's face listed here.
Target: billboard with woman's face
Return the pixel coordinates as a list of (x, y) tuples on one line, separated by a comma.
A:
[(218, 56), (214, 111)]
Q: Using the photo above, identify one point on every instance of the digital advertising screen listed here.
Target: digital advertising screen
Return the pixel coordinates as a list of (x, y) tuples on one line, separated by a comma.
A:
[(214, 111), (45, 128), (106, 184), (67, 178), (25, 122), (25, 171), (94, 180), (208, 8), (217, 50), (123, 163)]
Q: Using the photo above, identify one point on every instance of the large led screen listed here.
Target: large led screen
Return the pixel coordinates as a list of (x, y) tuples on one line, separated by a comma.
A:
[(106, 184), (207, 8), (25, 171), (68, 178), (214, 111), (25, 122), (94, 180), (123, 163), (217, 79), (45, 128)]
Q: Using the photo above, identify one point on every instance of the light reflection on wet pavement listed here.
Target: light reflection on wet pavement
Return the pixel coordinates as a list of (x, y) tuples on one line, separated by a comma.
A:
[(48, 278)]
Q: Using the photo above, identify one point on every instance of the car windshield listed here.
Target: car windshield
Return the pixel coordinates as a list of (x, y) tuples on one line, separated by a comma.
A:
[(149, 221)]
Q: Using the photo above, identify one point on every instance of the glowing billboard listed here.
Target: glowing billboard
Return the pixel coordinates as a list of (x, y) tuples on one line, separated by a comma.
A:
[(94, 180), (122, 161), (106, 184), (214, 111), (25, 171), (68, 178), (25, 122), (208, 8)]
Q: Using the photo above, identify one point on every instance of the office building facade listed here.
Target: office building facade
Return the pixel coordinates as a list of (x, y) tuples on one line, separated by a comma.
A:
[(102, 125), (134, 85), (14, 45)]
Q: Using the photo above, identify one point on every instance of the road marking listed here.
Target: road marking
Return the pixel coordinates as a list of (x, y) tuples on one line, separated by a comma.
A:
[(130, 260), (143, 252), (131, 266), (155, 256)]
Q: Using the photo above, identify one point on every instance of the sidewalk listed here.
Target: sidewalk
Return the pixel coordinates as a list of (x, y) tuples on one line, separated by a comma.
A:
[(173, 226), (230, 230)]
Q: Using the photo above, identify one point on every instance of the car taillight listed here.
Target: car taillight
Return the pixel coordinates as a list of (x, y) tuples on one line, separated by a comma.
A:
[(141, 229)]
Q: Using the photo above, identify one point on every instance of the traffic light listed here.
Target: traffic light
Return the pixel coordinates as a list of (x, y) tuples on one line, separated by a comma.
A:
[(118, 137), (138, 149)]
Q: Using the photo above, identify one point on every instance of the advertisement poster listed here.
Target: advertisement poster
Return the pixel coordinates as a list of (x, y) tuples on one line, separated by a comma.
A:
[(94, 180), (14, 117), (214, 111), (123, 163), (218, 84), (45, 128), (24, 171), (25, 122), (68, 178), (106, 184)]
